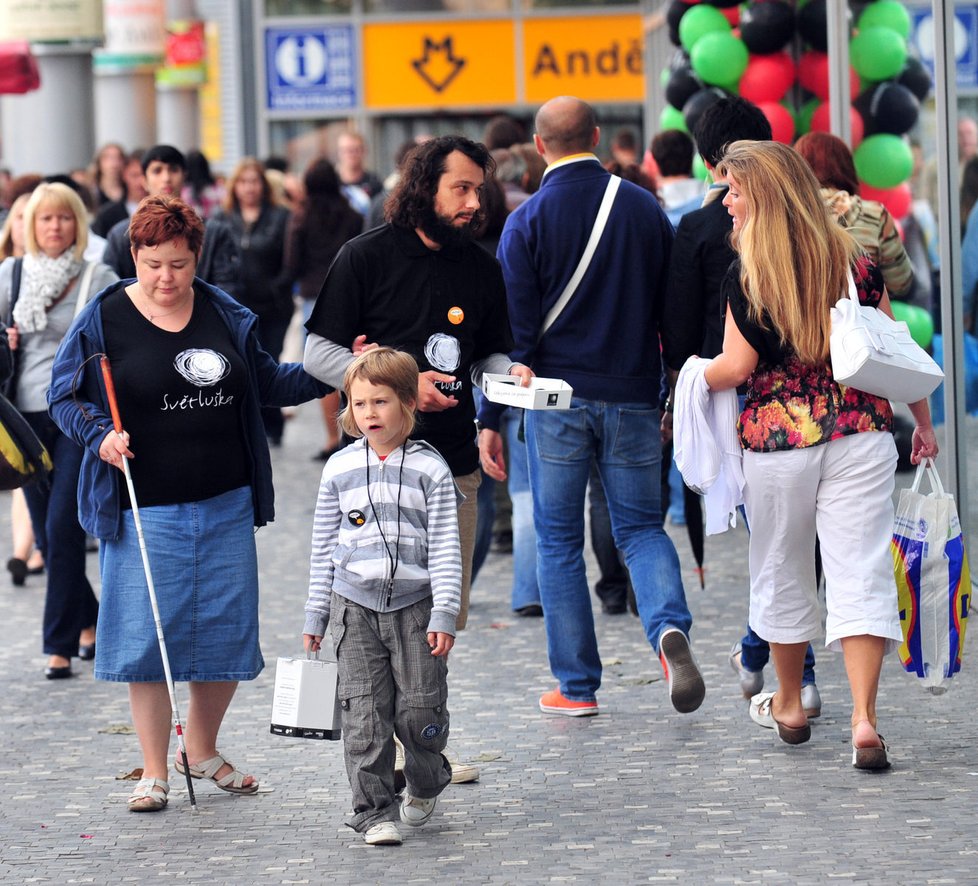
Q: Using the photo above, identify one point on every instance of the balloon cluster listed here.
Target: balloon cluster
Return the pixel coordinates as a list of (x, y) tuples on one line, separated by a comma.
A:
[(777, 58)]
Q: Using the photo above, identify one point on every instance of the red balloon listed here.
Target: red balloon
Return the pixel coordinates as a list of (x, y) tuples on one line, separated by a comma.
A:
[(820, 123), (732, 14), (767, 78), (813, 74), (781, 120), (897, 200)]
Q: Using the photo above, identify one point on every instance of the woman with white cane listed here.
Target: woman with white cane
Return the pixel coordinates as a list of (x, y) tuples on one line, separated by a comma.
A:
[(190, 378)]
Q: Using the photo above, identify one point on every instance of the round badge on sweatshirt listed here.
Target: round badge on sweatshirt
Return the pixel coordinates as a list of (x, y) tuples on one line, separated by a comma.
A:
[(455, 315), (357, 518)]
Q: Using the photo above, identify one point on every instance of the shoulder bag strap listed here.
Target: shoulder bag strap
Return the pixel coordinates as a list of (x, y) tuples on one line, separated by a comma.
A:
[(604, 211), (84, 287), (16, 274)]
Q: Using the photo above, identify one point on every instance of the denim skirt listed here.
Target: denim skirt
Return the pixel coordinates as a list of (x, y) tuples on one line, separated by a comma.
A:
[(205, 571)]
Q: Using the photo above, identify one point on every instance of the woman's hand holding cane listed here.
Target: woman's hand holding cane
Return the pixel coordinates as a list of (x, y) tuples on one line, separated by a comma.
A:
[(114, 448)]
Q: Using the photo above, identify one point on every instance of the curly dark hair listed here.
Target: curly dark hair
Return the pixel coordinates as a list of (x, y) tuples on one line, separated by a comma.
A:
[(413, 198)]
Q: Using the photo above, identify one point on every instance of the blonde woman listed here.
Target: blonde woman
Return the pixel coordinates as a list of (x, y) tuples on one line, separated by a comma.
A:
[(818, 456), (26, 559), (53, 282)]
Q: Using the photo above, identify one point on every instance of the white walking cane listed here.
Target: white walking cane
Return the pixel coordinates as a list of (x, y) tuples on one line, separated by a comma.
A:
[(177, 725)]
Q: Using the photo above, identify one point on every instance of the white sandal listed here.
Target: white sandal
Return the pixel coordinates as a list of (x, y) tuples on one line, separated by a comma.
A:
[(150, 795), (233, 782)]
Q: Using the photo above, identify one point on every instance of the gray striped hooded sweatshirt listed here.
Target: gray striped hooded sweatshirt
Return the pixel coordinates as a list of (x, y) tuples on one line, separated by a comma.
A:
[(381, 554)]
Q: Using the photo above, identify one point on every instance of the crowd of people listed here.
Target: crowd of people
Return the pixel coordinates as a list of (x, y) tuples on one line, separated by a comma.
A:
[(630, 279)]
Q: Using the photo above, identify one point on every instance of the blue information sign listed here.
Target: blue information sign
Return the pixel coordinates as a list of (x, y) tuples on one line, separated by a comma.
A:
[(311, 69), (965, 36)]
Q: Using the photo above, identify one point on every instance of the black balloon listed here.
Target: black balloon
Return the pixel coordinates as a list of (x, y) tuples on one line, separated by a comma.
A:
[(723, 4), (681, 87), (888, 107), (677, 9), (916, 78), (698, 103), (813, 25), (766, 25), (680, 59)]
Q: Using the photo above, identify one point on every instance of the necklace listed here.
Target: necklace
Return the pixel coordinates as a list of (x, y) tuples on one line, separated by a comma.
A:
[(152, 317)]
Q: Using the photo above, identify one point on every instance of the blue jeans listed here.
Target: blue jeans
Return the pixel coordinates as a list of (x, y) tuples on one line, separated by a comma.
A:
[(70, 605), (755, 652), (526, 591), (624, 438)]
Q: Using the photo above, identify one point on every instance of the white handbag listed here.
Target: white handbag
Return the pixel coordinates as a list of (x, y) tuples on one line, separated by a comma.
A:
[(876, 354)]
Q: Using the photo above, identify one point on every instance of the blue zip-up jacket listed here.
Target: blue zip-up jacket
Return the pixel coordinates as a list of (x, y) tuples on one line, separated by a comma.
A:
[(78, 405), (605, 343)]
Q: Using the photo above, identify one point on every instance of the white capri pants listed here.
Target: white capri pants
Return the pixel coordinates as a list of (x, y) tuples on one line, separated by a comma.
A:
[(843, 490)]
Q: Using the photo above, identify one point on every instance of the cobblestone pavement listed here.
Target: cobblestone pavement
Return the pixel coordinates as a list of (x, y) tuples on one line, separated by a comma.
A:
[(638, 794)]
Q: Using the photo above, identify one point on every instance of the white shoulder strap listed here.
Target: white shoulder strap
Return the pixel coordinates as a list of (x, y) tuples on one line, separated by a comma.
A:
[(592, 244), (84, 287)]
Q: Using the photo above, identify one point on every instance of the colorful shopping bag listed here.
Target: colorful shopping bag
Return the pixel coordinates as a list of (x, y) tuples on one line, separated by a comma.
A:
[(933, 581)]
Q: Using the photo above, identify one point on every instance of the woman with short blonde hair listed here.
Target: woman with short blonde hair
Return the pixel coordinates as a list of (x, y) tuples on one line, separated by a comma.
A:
[(38, 301)]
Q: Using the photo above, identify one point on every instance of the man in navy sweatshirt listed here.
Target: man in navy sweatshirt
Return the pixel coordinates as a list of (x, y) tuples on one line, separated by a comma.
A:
[(605, 343)]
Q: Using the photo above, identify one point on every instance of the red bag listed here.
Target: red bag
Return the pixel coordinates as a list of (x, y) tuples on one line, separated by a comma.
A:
[(18, 68)]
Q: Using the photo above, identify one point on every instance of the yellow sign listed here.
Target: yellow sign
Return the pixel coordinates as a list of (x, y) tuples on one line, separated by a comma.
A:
[(439, 64), (596, 58)]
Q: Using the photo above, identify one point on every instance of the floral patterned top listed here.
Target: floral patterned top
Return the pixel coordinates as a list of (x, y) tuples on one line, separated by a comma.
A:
[(791, 405)]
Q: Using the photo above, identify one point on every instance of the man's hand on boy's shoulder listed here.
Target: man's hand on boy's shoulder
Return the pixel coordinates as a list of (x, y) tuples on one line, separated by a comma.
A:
[(440, 643)]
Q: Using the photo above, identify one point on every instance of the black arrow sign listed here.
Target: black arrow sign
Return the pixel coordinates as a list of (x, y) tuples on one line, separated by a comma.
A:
[(438, 65)]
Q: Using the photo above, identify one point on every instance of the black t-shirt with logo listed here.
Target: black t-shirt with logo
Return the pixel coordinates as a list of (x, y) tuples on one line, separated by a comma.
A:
[(180, 398), (445, 307)]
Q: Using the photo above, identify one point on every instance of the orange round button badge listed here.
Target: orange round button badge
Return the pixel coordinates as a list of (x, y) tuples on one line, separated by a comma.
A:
[(455, 315)]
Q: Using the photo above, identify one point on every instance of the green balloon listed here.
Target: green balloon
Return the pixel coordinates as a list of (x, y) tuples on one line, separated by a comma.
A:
[(919, 322), (878, 53), (886, 14), (700, 172), (883, 161), (664, 77), (698, 21), (719, 58), (803, 116), (672, 118)]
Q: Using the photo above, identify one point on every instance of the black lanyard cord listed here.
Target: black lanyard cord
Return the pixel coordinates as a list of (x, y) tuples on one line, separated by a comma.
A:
[(392, 556)]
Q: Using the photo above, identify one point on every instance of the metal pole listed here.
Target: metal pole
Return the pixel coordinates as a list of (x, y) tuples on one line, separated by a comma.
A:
[(656, 51), (839, 98), (955, 451)]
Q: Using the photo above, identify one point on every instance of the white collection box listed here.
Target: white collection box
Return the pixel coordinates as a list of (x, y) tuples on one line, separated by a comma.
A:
[(306, 703), (542, 393)]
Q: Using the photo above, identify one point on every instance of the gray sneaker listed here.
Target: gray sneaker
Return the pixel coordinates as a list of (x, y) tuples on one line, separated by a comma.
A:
[(383, 834), (811, 701), (751, 682), (415, 811)]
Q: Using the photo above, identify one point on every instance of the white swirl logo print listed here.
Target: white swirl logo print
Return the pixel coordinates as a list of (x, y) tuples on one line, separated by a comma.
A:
[(443, 352), (202, 367)]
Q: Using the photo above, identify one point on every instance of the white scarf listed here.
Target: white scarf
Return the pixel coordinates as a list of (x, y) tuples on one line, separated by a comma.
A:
[(43, 280)]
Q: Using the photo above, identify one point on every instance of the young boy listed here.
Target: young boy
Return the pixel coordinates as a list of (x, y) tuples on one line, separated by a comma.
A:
[(385, 574)]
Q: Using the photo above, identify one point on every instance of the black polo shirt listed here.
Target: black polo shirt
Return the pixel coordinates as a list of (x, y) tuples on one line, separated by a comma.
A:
[(445, 307)]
